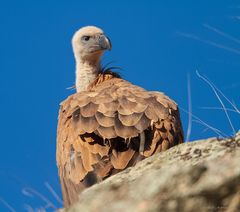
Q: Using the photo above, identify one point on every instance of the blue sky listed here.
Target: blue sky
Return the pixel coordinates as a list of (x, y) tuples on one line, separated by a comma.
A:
[(157, 44)]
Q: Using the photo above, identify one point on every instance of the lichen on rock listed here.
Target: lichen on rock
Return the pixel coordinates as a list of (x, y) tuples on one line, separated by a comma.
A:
[(195, 176)]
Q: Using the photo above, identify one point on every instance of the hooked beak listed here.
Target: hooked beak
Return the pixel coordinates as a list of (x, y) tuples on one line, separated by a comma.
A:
[(105, 43)]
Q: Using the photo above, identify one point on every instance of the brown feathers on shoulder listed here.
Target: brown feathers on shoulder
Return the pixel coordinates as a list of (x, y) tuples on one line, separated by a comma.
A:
[(103, 76)]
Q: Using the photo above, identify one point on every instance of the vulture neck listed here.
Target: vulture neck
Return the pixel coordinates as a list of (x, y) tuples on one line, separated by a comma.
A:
[(86, 73)]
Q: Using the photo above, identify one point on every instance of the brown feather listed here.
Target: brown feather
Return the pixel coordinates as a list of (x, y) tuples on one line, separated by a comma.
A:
[(105, 120), (120, 160), (87, 124), (107, 132), (143, 123), (125, 131), (130, 120), (150, 113), (89, 110)]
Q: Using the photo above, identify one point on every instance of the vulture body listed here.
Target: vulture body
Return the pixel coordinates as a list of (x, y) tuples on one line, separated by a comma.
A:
[(109, 124)]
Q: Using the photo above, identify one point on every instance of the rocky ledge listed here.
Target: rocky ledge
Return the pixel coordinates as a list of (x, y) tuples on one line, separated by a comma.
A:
[(196, 176)]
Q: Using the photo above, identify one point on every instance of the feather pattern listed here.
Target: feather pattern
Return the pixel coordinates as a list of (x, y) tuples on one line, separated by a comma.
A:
[(99, 131)]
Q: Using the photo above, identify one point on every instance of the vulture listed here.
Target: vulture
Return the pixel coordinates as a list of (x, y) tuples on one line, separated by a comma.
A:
[(109, 124)]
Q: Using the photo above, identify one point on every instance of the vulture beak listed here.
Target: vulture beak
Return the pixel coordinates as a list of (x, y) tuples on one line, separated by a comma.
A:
[(105, 43)]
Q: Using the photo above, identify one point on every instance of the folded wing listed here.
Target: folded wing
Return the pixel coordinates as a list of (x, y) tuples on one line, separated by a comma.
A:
[(99, 132)]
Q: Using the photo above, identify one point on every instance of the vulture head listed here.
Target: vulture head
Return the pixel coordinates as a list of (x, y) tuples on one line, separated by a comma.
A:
[(89, 43)]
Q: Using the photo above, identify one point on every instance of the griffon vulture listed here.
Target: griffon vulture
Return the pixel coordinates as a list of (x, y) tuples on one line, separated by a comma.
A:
[(108, 124)]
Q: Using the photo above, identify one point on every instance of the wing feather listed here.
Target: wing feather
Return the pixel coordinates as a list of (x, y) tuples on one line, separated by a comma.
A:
[(89, 110), (105, 120), (130, 120), (143, 123), (82, 99), (87, 124), (125, 131), (120, 160), (107, 132), (105, 108), (150, 113)]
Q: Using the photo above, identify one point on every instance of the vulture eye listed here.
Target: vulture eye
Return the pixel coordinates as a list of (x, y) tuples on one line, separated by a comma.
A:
[(85, 38)]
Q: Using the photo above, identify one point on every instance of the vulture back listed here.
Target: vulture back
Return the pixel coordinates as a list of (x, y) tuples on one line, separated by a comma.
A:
[(108, 128)]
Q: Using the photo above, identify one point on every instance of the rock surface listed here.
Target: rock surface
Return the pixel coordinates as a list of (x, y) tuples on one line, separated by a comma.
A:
[(196, 176)]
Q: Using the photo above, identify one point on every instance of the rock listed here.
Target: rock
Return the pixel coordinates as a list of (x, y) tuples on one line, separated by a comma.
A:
[(196, 176)]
